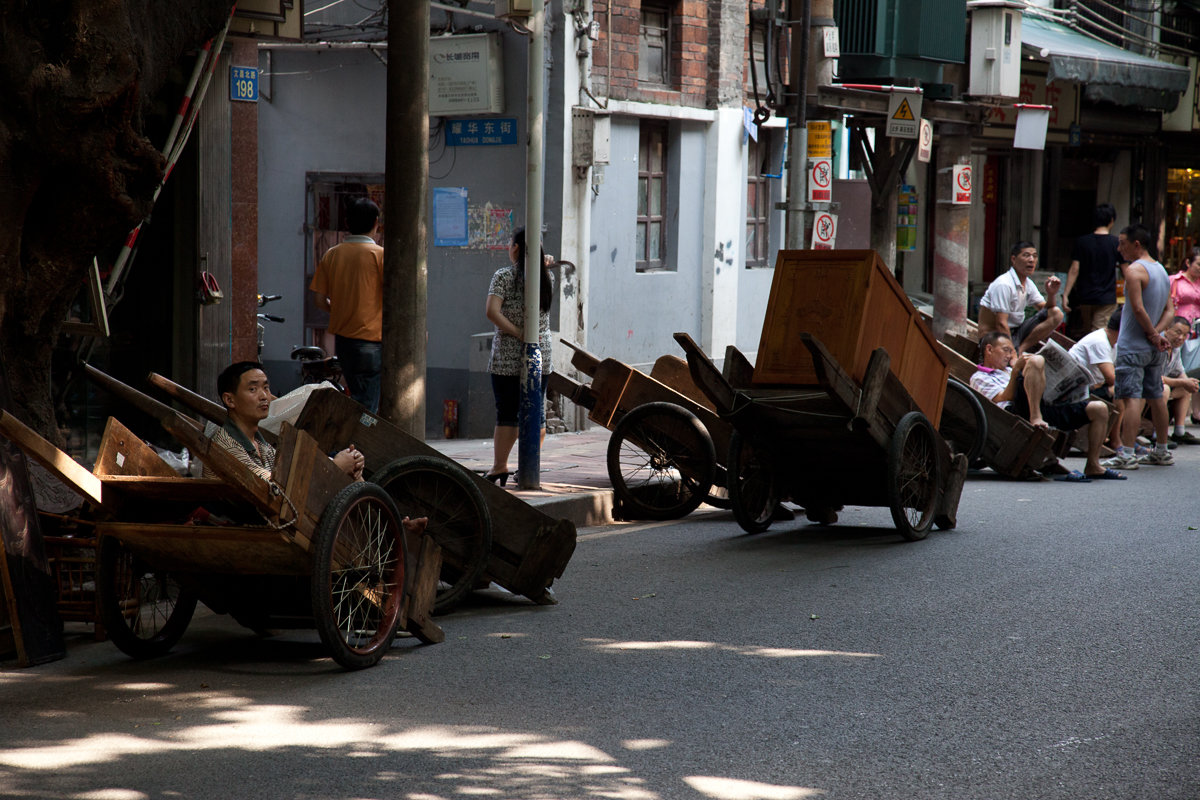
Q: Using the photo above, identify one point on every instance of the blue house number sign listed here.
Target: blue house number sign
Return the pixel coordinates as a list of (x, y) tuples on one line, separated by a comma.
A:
[(243, 84)]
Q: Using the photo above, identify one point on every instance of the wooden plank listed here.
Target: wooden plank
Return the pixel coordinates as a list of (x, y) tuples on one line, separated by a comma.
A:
[(61, 465), (421, 579), (123, 453), (706, 375), (842, 386), (308, 479), (187, 493), (232, 550), (873, 383), (206, 408), (578, 393), (672, 372), (737, 369), (581, 359), (520, 532)]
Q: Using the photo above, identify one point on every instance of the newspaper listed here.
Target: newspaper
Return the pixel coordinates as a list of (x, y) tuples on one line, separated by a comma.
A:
[(1066, 380)]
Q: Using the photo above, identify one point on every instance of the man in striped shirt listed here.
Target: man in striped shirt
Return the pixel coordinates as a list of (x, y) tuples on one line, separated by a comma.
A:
[(246, 394)]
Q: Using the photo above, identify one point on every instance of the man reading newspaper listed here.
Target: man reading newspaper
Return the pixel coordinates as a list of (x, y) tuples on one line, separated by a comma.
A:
[(1022, 383)]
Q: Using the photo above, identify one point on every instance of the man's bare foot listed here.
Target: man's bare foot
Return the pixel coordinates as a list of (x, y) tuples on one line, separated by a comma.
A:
[(1040, 423), (416, 527)]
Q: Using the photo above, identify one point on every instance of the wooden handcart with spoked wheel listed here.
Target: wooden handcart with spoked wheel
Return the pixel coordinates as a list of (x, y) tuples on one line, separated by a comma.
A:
[(666, 454), (843, 404), (307, 549)]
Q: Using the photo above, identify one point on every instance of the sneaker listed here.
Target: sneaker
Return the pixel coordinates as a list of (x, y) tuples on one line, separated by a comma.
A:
[(1139, 451), (1186, 437), (1157, 459), (1120, 462)]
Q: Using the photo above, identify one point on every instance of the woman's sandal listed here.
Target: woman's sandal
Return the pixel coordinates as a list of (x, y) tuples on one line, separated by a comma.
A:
[(499, 478)]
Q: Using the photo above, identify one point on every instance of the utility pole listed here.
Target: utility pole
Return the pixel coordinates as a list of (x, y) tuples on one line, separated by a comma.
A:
[(799, 218), (406, 185), (529, 450)]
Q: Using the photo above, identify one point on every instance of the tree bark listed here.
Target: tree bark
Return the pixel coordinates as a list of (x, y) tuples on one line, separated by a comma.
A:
[(77, 172)]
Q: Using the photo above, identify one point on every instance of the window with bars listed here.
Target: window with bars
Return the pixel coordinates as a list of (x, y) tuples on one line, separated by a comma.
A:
[(652, 197), (758, 203), (654, 45)]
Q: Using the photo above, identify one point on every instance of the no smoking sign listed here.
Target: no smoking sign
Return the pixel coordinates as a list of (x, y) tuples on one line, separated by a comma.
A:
[(962, 184), (824, 232)]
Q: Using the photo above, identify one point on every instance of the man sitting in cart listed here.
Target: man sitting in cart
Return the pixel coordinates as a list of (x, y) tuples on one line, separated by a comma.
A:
[(246, 395), (1015, 382)]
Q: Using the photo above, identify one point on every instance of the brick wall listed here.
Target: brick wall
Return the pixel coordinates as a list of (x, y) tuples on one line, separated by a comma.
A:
[(689, 52)]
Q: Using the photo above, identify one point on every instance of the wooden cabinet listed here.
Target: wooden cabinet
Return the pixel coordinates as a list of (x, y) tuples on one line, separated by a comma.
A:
[(849, 300)]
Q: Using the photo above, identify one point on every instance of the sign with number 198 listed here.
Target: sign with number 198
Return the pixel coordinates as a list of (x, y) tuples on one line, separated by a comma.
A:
[(243, 84)]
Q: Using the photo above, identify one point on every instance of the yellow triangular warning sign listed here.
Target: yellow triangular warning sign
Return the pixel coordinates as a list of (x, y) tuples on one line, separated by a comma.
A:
[(903, 111)]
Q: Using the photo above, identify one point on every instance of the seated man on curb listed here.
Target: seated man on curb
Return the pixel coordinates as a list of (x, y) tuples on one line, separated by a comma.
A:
[(246, 395), (1002, 307), (1094, 352), (1016, 383), (1177, 384)]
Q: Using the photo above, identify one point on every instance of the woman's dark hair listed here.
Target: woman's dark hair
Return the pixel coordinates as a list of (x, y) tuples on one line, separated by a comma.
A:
[(547, 288)]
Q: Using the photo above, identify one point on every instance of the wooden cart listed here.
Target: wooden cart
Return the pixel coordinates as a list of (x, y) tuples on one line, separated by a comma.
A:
[(309, 548), (841, 406), (667, 451), (485, 533)]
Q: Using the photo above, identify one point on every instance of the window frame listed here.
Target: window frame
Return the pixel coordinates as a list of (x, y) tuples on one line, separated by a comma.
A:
[(650, 130), (758, 246), (644, 29)]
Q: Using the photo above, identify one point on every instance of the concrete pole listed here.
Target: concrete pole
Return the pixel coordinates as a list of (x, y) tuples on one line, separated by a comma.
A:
[(798, 217), (406, 186), (951, 249), (533, 409)]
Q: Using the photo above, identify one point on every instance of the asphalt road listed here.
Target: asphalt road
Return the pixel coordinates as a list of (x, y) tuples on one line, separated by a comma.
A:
[(1044, 649)]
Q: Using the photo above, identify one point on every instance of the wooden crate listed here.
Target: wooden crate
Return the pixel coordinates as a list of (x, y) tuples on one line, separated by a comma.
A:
[(849, 300)]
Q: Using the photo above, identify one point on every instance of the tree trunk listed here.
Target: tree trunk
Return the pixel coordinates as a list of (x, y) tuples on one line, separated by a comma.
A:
[(77, 172)]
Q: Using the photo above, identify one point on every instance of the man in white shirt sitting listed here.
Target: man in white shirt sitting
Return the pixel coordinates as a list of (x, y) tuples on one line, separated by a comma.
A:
[(1002, 307), (1016, 383)]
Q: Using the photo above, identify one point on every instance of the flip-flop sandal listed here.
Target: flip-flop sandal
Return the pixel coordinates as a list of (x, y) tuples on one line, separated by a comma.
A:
[(1109, 474), (1074, 476)]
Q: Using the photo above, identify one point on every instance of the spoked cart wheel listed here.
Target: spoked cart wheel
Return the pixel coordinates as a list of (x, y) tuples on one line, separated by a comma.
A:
[(660, 462), (913, 476), (458, 519), (753, 494), (357, 580), (145, 611)]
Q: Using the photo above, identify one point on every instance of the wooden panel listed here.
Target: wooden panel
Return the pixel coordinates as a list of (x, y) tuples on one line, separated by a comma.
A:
[(820, 296), (233, 550), (672, 372), (852, 304), (422, 570), (187, 492), (123, 453)]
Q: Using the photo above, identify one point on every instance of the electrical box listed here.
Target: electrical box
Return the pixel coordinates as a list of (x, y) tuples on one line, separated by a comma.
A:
[(514, 8), (591, 132), (995, 48), (466, 75)]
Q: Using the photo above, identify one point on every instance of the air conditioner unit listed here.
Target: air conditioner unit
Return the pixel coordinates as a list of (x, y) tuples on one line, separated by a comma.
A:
[(514, 8), (995, 48)]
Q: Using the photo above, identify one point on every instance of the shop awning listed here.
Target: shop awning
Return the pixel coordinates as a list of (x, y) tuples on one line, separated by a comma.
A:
[(1110, 73)]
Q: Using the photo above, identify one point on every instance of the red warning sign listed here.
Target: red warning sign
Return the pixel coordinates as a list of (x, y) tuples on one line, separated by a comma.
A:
[(820, 180), (824, 232), (962, 184)]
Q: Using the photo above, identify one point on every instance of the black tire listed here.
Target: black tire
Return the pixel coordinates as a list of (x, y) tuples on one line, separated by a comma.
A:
[(145, 611), (661, 462), (357, 581), (964, 425), (753, 493), (458, 516), (914, 473)]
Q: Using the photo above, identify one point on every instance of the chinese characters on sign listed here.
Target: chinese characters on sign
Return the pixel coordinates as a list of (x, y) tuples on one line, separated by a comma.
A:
[(466, 132), (243, 84)]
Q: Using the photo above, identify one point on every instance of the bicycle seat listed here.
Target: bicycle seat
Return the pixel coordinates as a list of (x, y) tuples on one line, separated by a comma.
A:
[(308, 353)]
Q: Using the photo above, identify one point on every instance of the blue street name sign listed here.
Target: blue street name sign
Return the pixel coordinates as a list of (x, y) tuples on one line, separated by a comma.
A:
[(466, 132)]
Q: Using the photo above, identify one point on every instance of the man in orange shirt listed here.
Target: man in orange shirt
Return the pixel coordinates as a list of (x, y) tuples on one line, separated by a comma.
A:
[(349, 284)]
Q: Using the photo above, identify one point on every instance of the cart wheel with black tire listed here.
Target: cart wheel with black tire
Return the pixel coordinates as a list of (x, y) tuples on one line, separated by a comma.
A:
[(357, 582), (459, 520), (964, 423), (661, 462), (914, 473), (753, 493), (144, 611)]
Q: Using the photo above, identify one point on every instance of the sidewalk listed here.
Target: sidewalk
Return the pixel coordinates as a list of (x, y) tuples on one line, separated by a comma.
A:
[(574, 482)]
